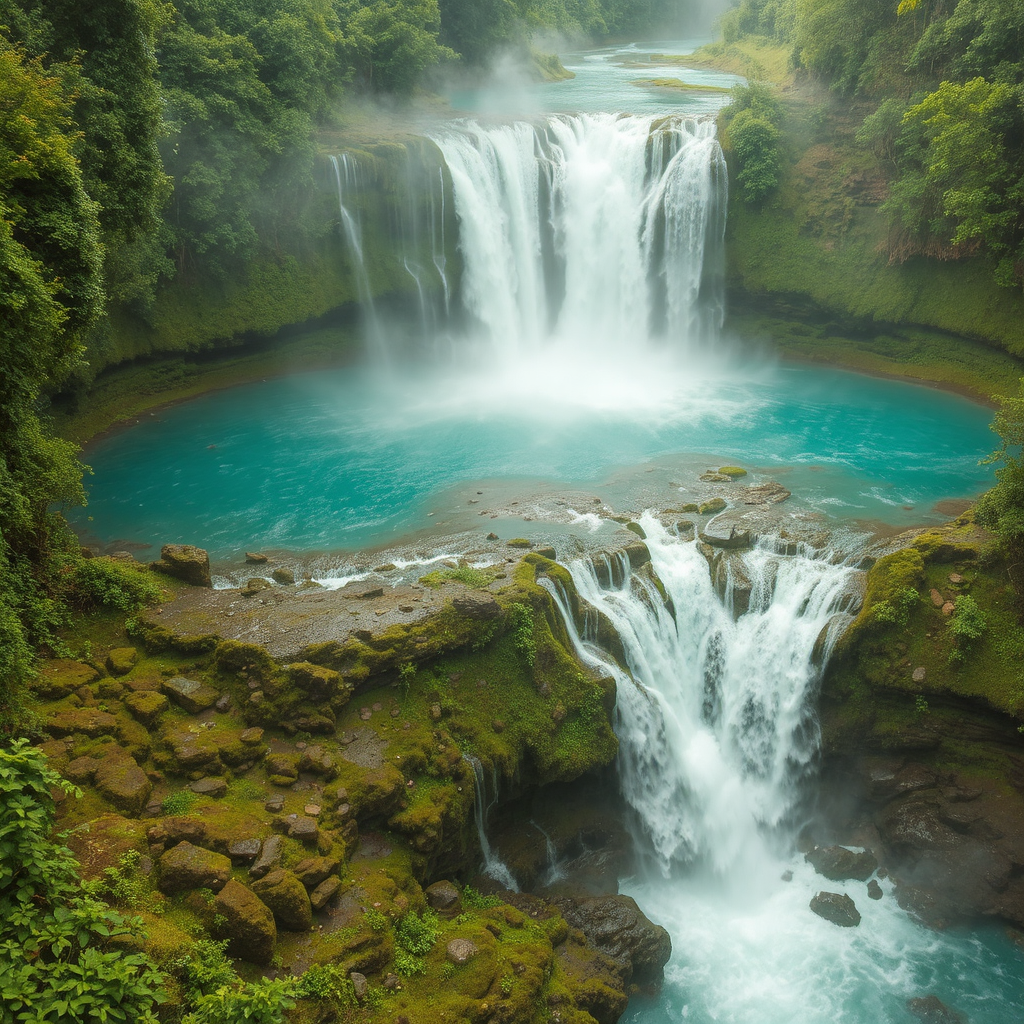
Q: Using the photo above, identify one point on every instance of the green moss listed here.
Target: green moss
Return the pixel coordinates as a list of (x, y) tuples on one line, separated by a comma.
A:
[(468, 575)]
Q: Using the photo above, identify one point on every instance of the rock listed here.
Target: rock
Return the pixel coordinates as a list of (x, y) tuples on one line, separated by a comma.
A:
[(316, 682), (123, 783), (146, 705), (223, 704), (620, 930), (251, 737), (359, 984), (770, 493), (956, 579), (444, 897), (283, 576), (190, 694), (708, 508), (177, 829), (931, 1010), (732, 472), (287, 898), (210, 787), (477, 604), (61, 677), (256, 558), (318, 761), (275, 804), (919, 675), (269, 858), (948, 608), (313, 870), (186, 867), (391, 982), (255, 585), (249, 924), (838, 864), (637, 529), (461, 951), (121, 660), (874, 890), (185, 562), (90, 721), (712, 477), (369, 595), (322, 894), (726, 536), (281, 766), (937, 599), (244, 851), (81, 770), (836, 907), (545, 551), (303, 828)]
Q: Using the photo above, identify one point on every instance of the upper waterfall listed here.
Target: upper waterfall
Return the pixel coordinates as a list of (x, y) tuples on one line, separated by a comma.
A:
[(585, 234), (591, 231)]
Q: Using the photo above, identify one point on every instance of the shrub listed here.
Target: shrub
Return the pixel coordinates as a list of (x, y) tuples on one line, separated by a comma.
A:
[(966, 625)]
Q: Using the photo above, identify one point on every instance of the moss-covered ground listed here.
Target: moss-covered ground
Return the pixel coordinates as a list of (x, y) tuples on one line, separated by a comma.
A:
[(390, 786)]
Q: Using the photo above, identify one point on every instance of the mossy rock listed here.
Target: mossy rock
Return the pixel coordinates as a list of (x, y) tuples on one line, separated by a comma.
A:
[(147, 706), (123, 783), (87, 721), (61, 677), (185, 562), (158, 638), (191, 695), (318, 683), (637, 529), (287, 898), (121, 660), (248, 924), (102, 843), (711, 507), (185, 867), (252, 660), (733, 472)]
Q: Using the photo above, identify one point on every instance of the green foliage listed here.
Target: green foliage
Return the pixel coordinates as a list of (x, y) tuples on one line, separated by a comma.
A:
[(753, 136), (205, 968), (329, 984), (895, 610), (179, 802), (113, 584), (475, 900), (520, 621), (417, 934), (921, 704), (1002, 508), (408, 965), (466, 574), (377, 921), (123, 885), (966, 625), (57, 960), (262, 1002)]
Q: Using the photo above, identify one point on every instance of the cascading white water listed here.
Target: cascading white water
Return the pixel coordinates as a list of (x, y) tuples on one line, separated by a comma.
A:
[(589, 233), (715, 725), (494, 867)]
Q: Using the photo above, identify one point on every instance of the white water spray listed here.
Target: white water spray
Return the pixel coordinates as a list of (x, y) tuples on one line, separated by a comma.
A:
[(714, 719), (494, 866), (593, 234)]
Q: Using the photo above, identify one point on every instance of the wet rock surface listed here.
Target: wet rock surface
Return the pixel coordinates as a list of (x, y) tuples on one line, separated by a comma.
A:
[(836, 907), (838, 864)]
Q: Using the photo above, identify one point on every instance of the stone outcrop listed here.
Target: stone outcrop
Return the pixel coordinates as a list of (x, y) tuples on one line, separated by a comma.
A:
[(185, 562), (287, 898), (248, 924), (619, 929), (838, 864), (836, 907), (123, 783), (186, 867)]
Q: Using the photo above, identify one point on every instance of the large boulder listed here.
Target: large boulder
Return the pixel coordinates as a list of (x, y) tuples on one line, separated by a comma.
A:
[(89, 721), (123, 783), (185, 562), (621, 930), (186, 867), (190, 694), (476, 604), (839, 864), (836, 907), (146, 705), (121, 660), (249, 924), (287, 898)]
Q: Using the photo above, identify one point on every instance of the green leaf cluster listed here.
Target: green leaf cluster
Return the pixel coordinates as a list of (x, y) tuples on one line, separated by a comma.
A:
[(752, 135), (58, 960)]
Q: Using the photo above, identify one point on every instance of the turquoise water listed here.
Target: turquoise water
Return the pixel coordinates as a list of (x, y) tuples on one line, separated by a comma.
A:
[(603, 83), (344, 459)]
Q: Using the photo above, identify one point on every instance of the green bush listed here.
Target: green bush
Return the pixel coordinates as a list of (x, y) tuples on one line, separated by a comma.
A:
[(57, 958), (753, 135), (966, 626)]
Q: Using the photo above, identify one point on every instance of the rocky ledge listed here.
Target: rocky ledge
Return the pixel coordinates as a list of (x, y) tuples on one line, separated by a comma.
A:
[(294, 770)]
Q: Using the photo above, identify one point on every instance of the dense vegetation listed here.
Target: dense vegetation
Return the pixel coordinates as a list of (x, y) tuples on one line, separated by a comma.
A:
[(946, 81)]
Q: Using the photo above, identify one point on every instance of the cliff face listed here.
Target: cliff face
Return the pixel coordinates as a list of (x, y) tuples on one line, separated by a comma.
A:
[(921, 715), (815, 266)]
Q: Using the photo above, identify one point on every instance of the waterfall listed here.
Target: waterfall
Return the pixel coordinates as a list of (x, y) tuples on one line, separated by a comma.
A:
[(588, 235), (715, 722), (494, 867), (589, 232)]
